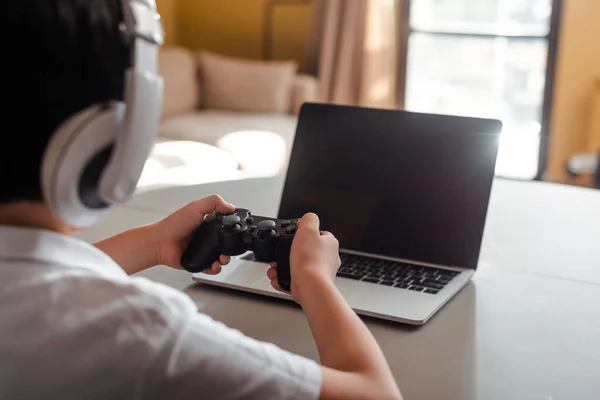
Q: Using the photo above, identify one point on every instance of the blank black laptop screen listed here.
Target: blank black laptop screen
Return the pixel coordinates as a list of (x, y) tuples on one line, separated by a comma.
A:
[(394, 183)]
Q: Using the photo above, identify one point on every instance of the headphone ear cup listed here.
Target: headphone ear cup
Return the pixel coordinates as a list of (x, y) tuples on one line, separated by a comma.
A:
[(89, 182), (74, 161)]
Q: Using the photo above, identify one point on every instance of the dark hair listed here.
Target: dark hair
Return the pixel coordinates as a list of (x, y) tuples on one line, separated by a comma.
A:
[(59, 57)]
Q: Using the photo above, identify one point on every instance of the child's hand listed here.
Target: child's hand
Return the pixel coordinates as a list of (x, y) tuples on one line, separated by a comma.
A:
[(174, 231), (314, 256)]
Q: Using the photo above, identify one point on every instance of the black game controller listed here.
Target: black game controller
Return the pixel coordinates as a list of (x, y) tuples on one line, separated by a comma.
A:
[(235, 233)]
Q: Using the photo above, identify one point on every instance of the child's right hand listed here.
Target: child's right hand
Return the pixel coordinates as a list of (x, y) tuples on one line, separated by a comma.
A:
[(314, 256)]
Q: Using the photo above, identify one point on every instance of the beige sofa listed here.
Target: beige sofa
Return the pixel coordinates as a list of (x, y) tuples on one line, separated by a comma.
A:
[(197, 144)]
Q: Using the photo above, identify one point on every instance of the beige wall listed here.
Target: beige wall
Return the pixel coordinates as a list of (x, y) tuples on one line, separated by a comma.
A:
[(235, 27), (578, 69), (168, 14), (594, 128)]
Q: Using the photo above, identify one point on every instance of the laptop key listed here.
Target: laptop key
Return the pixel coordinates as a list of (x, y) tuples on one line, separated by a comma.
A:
[(372, 280), (387, 283), (348, 275), (447, 273), (416, 288), (401, 285), (432, 285), (431, 291)]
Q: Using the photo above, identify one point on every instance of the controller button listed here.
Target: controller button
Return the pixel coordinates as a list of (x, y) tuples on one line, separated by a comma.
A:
[(251, 228), (250, 220), (210, 217), (290, 230), (261, 233), (232, 228), (266, 228), (231, 220), (266, 225), (231, 224), (285, 224)]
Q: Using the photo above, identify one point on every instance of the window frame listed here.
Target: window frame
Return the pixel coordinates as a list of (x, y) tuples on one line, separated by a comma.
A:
[(405, 30)]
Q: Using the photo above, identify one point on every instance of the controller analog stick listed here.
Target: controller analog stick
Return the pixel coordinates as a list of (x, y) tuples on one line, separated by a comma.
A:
[(231, 223), (290, 229), (266, 229)]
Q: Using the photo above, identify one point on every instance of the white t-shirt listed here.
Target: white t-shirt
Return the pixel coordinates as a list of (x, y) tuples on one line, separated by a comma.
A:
[(73, 325)]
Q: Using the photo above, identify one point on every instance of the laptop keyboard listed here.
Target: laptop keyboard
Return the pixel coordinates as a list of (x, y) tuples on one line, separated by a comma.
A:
[(396, 274), (390, 273)]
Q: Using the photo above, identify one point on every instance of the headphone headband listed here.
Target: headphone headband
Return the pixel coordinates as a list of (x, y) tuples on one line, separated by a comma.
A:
[(143, 96), (142, 21)]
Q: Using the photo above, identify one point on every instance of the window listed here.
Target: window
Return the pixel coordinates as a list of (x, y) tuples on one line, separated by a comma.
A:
[(484, 58)]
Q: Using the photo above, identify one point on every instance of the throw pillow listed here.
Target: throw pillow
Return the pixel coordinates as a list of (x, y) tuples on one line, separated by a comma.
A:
[(179, 71), (236, 84)]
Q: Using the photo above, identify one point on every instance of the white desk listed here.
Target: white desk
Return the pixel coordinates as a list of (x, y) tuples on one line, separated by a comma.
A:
[(527, 327)]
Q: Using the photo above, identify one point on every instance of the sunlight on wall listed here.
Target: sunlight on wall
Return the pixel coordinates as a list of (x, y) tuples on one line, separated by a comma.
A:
[(578, 67)]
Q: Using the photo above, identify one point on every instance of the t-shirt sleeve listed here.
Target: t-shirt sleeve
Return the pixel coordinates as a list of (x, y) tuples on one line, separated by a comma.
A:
[(202, 358)]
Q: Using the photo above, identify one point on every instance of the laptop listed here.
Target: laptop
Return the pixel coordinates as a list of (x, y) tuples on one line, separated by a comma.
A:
[(405, 193)]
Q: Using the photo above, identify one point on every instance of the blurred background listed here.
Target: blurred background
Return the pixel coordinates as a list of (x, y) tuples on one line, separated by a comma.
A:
[(237, 71)]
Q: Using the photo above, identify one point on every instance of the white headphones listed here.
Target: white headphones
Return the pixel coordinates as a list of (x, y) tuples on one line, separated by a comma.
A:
[(95, 159)]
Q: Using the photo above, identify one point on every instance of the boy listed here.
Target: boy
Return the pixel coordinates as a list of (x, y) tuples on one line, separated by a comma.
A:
[(75, 324)]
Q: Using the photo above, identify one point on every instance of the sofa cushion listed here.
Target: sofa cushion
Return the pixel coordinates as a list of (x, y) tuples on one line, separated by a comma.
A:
[(236, 84), (181, 85), (260, 153), (210, 126), (187, 163), (304, 89)]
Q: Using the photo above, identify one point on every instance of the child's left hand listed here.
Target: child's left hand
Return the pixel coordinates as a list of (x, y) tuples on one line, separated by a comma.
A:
[(174, 231), (163, 242)]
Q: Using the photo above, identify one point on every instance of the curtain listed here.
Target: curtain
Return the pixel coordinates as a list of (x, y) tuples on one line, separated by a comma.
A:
[(357, 52)]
